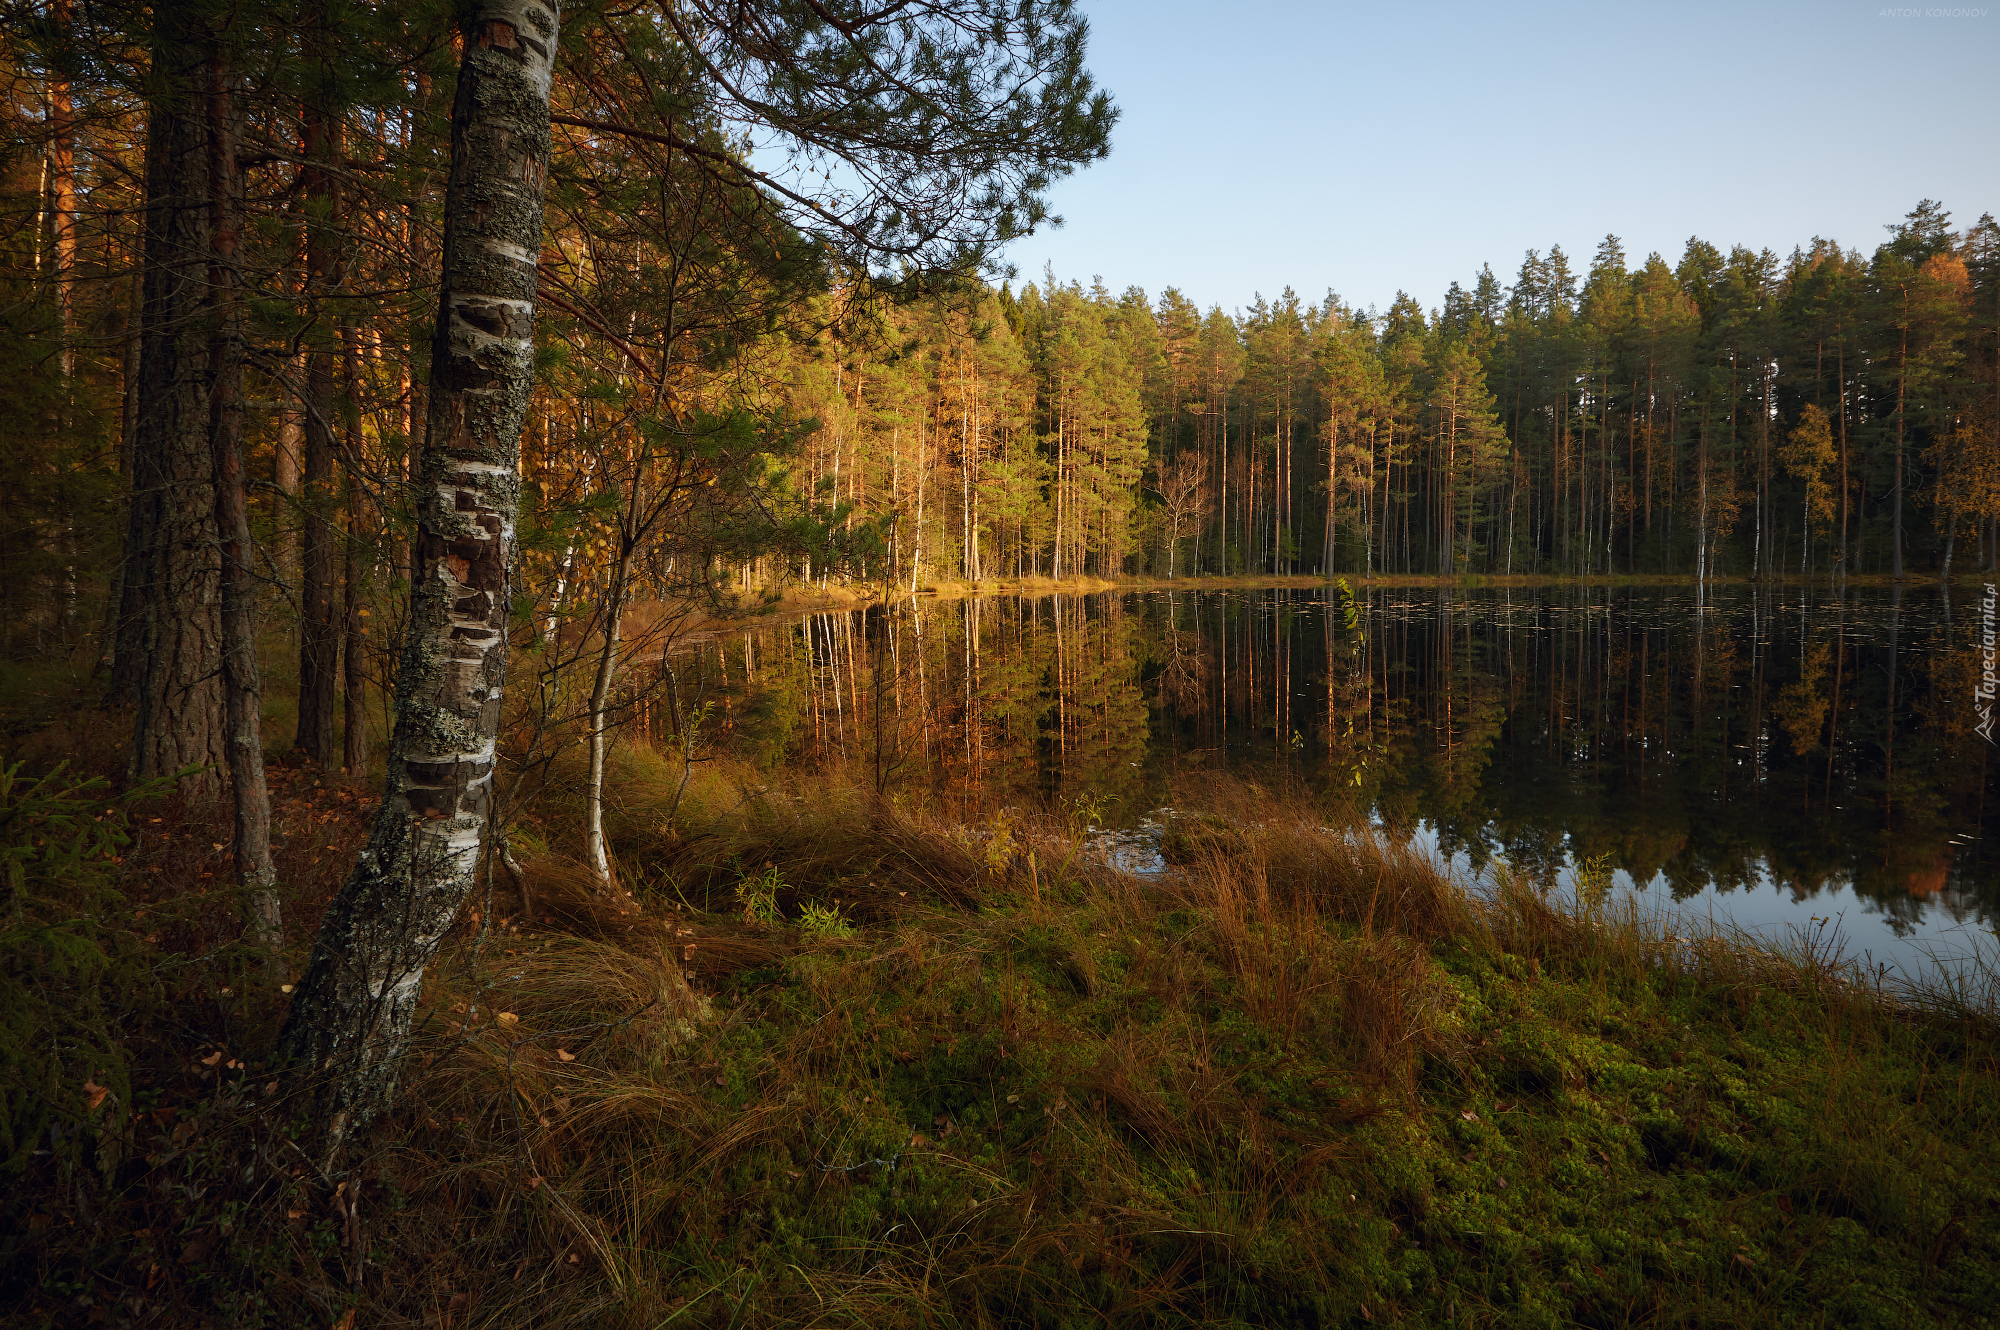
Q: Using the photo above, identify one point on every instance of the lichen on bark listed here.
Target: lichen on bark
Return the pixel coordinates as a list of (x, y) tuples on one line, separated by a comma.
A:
[(350, 1017)]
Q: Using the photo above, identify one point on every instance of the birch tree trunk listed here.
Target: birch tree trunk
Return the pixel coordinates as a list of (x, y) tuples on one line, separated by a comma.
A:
[(596, 847), (350, 1018)]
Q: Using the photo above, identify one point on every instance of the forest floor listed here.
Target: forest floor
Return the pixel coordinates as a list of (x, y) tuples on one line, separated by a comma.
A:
[(827, 1058)]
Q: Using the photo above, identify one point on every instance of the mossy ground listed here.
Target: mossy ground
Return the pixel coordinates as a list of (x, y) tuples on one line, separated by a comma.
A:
[(1301, 1080)]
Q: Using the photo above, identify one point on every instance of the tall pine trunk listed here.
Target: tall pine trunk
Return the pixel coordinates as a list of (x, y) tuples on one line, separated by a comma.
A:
[(354, 676), (350, 1018), (167, 654), (256, 877), (320, 626)]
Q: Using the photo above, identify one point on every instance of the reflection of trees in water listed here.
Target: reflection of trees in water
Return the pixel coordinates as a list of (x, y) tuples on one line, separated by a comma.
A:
[(1763, 736), (1748, 743), (1037, 699)]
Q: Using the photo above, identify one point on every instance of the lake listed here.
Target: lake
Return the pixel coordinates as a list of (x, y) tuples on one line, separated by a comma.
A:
[(1770, 756)]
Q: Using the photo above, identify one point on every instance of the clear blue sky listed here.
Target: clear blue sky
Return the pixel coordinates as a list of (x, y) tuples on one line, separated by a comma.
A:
[(1371, 148)]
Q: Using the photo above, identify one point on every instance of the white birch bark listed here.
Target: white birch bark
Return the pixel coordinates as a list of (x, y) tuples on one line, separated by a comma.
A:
[(351, 1016)]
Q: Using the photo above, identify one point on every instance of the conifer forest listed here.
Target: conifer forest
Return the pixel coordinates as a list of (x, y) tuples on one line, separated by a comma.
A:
[(736, 388)]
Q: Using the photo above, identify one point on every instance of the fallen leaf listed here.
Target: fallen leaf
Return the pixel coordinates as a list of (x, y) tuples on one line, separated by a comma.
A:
[(1366, 1315), (508, 1019), (212, 1058), (534, 1183), (346, 1322), (564, 1055), (721, 1080), (93, 1094), (1468, 1115), (293, 1214)]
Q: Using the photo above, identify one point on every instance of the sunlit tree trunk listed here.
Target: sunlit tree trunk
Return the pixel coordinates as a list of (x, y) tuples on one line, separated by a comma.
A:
[(62, 190), (596, 849), (350, 1018), (354, 674)]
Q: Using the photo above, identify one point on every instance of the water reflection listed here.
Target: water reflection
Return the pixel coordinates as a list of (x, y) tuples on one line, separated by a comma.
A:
[(1800, 744)]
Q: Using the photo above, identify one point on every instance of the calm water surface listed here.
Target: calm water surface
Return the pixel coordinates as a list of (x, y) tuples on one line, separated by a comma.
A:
[(1768, 756)]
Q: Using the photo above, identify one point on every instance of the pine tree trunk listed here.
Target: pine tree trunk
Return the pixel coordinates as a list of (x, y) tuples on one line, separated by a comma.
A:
[(256, 877), (62, 190), (354, 678), (350, 1018), (320, 628), (168, 655), (1902, 377)]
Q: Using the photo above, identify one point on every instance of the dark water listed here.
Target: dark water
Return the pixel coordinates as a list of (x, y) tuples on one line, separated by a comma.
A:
[(1773, 757)]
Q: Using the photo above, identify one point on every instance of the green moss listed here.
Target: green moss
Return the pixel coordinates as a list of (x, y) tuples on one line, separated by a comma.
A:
[(1670, 1153)]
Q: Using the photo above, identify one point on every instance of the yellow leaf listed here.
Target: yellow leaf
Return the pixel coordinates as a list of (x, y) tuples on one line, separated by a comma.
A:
[(508, 1019), (564, 1055)]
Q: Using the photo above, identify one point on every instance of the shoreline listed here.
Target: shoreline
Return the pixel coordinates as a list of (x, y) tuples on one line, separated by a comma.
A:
[(798, 600)]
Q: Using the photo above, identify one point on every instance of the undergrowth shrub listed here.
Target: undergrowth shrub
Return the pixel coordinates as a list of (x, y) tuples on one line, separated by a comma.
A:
[(73, 970)]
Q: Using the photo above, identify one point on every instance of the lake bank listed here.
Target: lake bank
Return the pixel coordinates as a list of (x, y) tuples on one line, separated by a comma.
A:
[(938, 1065), (804, 597), (1765, 756)]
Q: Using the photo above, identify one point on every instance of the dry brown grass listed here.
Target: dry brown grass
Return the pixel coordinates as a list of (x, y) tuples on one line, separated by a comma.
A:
[(1029, 1087)]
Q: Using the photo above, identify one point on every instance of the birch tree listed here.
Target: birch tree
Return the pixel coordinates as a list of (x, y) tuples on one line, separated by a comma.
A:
[(949, 120), (350, 1017)]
